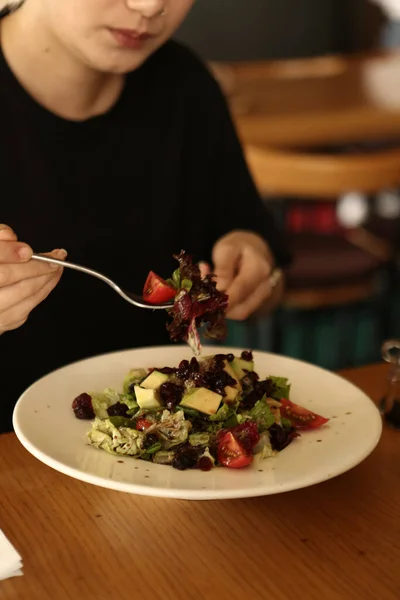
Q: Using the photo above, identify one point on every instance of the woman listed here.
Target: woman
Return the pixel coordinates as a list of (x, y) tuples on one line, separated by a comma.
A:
[(117, 145)]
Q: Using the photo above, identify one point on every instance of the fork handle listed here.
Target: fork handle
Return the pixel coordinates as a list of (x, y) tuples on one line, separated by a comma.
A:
[(135, 300), (69, 265)]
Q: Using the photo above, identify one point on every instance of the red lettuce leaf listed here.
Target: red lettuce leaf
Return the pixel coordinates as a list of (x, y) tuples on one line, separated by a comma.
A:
[(203, 306)]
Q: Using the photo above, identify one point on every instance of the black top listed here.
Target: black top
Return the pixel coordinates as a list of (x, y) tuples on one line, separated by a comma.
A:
[(161, 171)]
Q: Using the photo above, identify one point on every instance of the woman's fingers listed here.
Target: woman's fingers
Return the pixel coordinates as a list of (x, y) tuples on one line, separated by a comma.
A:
[(30, 294), (24, 283), (7, 234), (13, 273)]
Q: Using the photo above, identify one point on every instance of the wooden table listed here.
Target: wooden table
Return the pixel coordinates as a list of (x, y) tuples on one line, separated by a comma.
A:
[(339, 540), (313, 102)]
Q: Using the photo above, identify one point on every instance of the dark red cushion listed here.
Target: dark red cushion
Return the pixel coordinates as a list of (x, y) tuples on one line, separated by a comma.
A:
[(324, 260)]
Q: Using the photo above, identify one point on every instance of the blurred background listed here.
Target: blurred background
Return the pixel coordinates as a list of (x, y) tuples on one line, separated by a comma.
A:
[(314, 89)]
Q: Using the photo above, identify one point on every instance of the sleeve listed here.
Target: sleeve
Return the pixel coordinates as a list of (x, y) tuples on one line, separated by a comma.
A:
[(236, 201)]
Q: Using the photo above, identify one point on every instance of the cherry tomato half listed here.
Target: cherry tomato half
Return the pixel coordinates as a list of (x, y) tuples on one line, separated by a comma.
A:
[(156, 290), (231, 453), (300, 417), (142, 424)]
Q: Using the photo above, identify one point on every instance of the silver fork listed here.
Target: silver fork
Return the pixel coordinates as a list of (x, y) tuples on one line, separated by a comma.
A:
[(134, 299)]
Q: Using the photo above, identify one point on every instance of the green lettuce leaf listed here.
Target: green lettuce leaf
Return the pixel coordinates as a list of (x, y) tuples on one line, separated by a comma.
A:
[(134, 377), (163, 457), (281, 387), (223, 414), (262, 415), (101, 401), (154, 448), (173, 429), (121, 422), (199, 439), (130, 401), (187, 285), (122, 441)]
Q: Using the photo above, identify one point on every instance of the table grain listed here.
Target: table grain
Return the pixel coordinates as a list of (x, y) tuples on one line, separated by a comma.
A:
[(339, 540)]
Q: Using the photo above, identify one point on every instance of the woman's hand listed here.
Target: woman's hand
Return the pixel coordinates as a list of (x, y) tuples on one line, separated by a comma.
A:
[(24, 283), (243, 265)]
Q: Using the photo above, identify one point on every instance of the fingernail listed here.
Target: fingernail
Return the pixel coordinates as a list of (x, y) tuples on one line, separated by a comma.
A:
[(25, 252), (60, 253)]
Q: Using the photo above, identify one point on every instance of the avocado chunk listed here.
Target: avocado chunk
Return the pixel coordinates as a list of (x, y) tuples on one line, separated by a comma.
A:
[(134, 377), (228, 368), (154, 381), (231, 394), (147, 399), (240, 366), (203, 400)]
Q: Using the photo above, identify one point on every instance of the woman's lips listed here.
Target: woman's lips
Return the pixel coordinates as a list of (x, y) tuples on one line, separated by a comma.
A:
[(128, 38)]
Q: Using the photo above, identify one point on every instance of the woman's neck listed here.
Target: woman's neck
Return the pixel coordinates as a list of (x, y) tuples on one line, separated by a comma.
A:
[(57, 81)]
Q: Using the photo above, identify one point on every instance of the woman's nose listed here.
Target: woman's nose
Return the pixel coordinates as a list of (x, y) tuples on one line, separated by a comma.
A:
[(147, 8)]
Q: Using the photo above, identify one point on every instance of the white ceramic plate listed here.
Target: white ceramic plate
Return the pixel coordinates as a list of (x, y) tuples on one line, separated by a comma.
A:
[(45, 424)]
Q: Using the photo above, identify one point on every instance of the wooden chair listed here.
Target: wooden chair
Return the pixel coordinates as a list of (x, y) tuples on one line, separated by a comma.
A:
[(285, 112), (328, 270), (332, 309), (313, 175)]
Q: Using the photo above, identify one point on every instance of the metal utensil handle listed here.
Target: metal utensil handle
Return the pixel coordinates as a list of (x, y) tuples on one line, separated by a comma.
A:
[(132, 299), (69, 265)]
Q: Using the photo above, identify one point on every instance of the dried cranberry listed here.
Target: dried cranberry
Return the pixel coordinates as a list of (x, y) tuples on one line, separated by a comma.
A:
[(83, 407), (247, 355), (199, 380), (219, 380), (171, 394), (205, 463), (219, 363), (252, 375), (117, 410), (194, 365), (183, 370), (167, 370)]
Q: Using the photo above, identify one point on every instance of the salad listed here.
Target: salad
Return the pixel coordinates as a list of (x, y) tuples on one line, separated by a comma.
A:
[(204, 413), (197, 302)]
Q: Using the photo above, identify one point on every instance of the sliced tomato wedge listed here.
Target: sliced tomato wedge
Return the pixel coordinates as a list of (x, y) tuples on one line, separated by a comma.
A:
[(156, 290), (231, 453), (300, 417), (142, 424)]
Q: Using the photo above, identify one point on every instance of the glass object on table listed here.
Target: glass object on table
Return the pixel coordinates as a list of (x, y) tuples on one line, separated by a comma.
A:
[(390, 405)]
